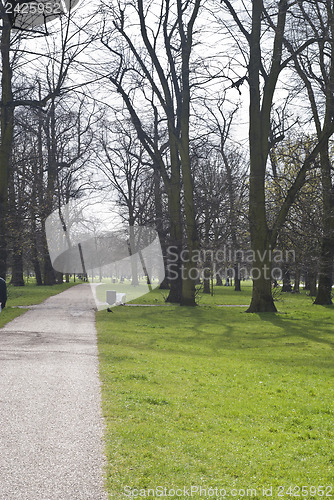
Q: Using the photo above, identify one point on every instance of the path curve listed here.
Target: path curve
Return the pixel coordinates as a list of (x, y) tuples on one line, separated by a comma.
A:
[(50, 404)]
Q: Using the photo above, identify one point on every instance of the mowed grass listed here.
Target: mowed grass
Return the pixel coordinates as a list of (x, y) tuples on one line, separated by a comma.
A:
[(27, 295), (215, 397), (222, 295)]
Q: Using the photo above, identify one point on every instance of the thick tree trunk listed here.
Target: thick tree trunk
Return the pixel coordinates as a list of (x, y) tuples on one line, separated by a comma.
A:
[(159, 224), (164, 285), (219, 281), (231, 195), (37, 270), (206, 278), (174, 208), (49, 277), (306, 281), (3, 244), (49, 274), (286, 280), (237, 281), (174, 270), (297, 281), (324, 294), (59, 278), (6, 139), (17, 269), (313, 284), (189, 276), (259, 126), (189, 280), (262, 299)]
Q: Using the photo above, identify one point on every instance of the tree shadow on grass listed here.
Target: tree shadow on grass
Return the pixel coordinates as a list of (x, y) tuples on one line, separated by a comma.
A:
[(213, 332), (316, 329)]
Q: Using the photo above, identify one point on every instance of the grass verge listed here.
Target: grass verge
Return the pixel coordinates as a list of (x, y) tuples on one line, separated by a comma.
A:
[(217, 398), (27, 295)]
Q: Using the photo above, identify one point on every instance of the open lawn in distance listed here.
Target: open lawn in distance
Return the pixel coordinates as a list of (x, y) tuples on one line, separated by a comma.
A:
[(28, 295), (217, 398)]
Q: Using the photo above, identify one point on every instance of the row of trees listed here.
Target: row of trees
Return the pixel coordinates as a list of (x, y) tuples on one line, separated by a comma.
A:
[(150, 118)]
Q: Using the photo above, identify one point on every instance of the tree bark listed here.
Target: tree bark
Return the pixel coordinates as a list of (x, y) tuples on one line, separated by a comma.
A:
[(17, 269), (159, 225), (219, 281), (259, 126), (297, 281), (237, 281), (324, 293), (313, 284), (6, 141), (286, 280), (188, 279), (174, 265), (59, 278), (37, 270)]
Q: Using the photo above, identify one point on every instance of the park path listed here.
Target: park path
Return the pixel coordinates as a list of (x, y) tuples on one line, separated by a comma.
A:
[(50, 404)]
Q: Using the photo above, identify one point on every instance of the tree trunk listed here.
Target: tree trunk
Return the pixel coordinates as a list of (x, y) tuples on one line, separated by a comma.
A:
[(159, 224), (174, 207), (297, 281), (49, 277), (324, 294), (34, 249), (206, 278), (313, 284), (262, 299), (286, 280), (306, 281), (189, 279), (17, 269), (164, 285), (37, 270), (174, 270), (6, 140), (259, 126), (237, 281), (219, 281), (49, 274), (59, 278), (133, 252), (3, 244), (231, 195)]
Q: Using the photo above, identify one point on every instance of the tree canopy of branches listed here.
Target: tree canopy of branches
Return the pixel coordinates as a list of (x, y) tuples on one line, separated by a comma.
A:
[(271, 46)]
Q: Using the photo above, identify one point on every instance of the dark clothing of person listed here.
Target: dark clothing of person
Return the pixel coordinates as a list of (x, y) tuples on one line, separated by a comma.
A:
[(3, 293)]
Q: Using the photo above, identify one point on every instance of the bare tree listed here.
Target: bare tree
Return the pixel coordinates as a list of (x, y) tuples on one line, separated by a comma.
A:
[(266, 35), (316, 71), (123, 164), (159, 66), (24, 47)]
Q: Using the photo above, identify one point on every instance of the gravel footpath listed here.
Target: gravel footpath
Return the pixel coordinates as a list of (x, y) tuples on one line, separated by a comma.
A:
[(50, 404)]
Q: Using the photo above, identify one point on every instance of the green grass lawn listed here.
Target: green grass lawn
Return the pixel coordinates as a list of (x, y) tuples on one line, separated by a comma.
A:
[(26, 296), (222, 295), (215, 397)]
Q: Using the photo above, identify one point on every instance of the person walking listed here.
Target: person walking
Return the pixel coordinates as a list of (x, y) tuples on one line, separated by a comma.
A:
[(3, 293)]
